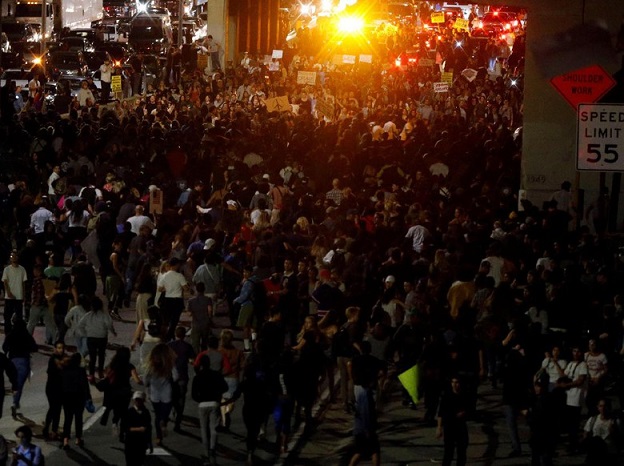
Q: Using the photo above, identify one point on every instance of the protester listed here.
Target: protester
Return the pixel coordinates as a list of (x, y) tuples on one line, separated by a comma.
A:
[(208, 387), (54, 391), (136, 431), (184, 355), (75, 395), (96, 325), (18, 346), (26, 453), (159, 381), (116, 387)]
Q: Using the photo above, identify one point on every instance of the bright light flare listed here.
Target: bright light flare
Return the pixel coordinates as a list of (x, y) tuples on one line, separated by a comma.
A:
[(458, 44), (37, 61), (141, 7), (326, 6), (307, 9), (350, 24)]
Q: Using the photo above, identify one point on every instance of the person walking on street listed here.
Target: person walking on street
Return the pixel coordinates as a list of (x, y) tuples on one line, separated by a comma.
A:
[(136, 431), (96, 325), (39, 306), (200, 307), (234, 357), (184, 354), (73, 318), (60, 300), (454, 407), (116, 386), (76, 392), (208, 387), (173, 285), (18, 345), (54, 392), (148, 334), (6, 367), (159, 381), (14, 279)]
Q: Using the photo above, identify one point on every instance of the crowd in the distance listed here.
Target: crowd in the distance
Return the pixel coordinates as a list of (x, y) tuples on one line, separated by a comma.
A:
[(386, 236)]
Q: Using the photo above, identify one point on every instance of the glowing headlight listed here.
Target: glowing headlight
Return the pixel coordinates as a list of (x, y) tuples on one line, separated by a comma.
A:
[(350, 24)]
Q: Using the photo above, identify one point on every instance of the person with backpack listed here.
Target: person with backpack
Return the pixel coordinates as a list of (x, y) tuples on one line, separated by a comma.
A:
[(148, 334), (26, 453), (208, 387)]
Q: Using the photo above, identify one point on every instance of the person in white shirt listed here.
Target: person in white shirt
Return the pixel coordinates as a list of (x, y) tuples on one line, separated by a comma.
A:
[(55, 175), (574, 384), (214, 49), (85, 95), (106, 72), (554, 366), (39, 218), (139, 219), (14, 280), (598, 434), (246, 61), (33, 86), (173, 284), (597, 367)]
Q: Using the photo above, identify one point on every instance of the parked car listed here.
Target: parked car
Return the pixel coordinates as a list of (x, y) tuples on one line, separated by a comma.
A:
[(117, 51), (91, 34), (77, 43), (72, 63), (20, 76), (18, 31)]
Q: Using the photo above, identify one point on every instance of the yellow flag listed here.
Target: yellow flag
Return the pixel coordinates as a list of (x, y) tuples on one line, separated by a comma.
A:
[(409, 380)]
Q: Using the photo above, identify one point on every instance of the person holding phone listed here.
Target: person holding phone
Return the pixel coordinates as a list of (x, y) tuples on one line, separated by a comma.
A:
[(26, 453)]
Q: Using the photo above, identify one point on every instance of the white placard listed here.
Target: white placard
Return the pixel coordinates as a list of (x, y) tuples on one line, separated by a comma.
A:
[(306, 77), (440, 87), (277, 54), (600, 137), (366, 59), (348, 59)]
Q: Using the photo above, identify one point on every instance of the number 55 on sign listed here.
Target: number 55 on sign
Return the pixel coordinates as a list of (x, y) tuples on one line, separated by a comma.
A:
[(600, 139)]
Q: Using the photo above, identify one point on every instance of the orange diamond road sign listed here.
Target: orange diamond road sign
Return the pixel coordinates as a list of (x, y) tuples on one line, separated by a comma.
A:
[(584, 86)]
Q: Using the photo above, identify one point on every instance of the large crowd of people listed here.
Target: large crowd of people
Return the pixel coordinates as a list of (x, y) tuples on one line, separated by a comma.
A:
[(358, 244)]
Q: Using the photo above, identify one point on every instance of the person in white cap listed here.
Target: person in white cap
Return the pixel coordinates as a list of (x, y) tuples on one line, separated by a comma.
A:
[(136, 431), (210, 272)]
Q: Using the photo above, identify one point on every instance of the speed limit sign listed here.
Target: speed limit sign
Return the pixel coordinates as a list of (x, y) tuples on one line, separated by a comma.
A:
[(600, 139)]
